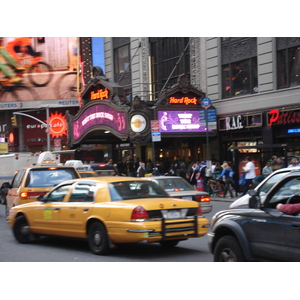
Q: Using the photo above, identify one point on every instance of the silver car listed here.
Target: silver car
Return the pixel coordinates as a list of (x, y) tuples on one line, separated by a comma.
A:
[(177, 187), (263, 187)]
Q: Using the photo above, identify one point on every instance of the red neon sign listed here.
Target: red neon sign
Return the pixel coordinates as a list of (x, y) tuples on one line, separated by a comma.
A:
[(100, 94), (183, 100), (58, 125), (288, 117)]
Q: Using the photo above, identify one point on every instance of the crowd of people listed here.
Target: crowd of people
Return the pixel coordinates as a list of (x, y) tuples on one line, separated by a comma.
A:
[(197, 170)]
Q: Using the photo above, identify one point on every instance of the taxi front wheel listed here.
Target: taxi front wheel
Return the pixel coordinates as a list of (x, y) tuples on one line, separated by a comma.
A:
[(22, 231), (98, 239)]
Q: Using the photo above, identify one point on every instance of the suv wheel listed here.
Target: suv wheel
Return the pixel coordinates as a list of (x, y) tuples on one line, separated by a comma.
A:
[(228, 250)]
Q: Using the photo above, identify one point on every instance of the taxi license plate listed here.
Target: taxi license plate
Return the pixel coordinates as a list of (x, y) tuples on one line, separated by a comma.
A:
[(173, 214), (187, 198)]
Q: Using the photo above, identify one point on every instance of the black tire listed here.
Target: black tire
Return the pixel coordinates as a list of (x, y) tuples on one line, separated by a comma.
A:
[(228, 250), (98, 239), (22, 231), (169, 244), (44, 71)]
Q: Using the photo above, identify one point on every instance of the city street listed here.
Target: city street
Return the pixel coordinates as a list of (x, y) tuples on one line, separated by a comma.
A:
[(50, 249)]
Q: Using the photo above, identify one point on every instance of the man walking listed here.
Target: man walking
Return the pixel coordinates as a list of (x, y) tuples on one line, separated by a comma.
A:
[(250, 174)]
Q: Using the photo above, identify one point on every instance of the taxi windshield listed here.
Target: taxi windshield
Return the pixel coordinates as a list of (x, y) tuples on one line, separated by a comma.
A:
[(127, 190)]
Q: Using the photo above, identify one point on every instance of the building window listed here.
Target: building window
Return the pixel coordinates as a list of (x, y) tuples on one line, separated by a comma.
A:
[(122, 68), (121, 59), (170, 58), (288, 62), (239, 66)]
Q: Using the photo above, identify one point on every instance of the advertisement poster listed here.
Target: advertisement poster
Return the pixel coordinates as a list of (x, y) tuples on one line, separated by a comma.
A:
[(38, 68)]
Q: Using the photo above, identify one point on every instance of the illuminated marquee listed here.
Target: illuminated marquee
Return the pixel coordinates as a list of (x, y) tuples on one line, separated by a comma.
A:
[(100, 115), (100, 94), (183, 100)]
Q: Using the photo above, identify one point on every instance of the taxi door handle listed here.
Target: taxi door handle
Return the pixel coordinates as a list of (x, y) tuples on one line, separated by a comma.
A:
[(85, 209), (296, 226), (57, 208)]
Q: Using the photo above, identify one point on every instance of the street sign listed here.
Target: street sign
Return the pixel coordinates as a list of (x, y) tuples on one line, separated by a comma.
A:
[(155, 130), (205, 103)]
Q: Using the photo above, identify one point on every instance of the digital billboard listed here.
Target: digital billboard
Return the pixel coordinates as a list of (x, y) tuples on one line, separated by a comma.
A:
[(173, 121), (38, 68)]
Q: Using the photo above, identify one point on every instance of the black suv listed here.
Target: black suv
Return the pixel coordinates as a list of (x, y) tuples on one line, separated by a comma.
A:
[(260, 232)]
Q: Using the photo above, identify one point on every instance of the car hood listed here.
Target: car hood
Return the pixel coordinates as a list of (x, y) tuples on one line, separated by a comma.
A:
[(240, 202)]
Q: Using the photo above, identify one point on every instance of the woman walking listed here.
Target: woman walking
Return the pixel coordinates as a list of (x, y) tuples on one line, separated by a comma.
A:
[(227, 178)]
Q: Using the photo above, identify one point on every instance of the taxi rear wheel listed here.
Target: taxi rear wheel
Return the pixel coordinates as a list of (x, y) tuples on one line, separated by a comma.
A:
[(22, 231), (98, 239)]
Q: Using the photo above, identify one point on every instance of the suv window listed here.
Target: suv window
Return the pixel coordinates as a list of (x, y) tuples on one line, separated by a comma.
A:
[(48, 177), (270, 182)]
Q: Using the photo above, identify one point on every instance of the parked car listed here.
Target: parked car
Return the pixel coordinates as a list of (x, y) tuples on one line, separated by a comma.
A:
[(260, 232), (32, 181), (263, 187), (177, 187), (107, 210)]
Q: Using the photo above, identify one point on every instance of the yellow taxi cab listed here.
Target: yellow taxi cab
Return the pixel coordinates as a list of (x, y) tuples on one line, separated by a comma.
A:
[(30, 182), (107, 211)]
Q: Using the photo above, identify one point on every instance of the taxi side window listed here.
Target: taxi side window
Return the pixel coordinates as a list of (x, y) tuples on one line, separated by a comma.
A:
[(59, 194), (82, 192), (18, 179)]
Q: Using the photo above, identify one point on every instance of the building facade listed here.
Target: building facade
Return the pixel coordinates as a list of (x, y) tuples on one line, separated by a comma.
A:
[(253, 83)]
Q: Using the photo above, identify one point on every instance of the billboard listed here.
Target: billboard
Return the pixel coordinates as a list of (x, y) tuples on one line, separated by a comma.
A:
[(38, 68), (183, 121)]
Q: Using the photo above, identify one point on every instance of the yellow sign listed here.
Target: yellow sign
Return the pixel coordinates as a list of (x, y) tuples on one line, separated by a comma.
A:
[(3, 147)]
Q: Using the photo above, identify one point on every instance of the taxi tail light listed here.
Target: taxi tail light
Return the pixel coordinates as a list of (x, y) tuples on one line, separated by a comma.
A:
[(199, 211), (202, 198), (31, 195), (139, 213)]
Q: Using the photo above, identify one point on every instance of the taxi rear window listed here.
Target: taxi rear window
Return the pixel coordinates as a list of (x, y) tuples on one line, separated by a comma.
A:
[(49, 177)]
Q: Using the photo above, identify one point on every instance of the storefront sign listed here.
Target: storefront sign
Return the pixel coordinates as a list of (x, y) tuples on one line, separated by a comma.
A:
[(138, 123), (58, 125), (99, 94), (3, 148), (240, 122), (287, 117), (183, 100), (99, 115), (180, 121)]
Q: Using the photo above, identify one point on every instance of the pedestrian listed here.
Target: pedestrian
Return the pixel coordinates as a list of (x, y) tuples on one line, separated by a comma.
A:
[(149, 166), (129, 167), (294, 163), (279, 164), (267, 170), (141, 171), (226, 176), (172, 170), (193, 175), (249, 171)]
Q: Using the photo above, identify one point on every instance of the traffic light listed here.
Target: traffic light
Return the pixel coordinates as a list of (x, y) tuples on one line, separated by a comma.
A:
[(14, 121)]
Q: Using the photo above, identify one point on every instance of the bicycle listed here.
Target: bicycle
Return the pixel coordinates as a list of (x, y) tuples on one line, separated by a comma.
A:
[(215, 187), (39, 72)]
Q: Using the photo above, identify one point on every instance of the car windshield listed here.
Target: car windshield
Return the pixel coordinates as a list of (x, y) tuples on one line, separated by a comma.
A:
[(48, 177), (174, 184), (127, 190), (270, 182)]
